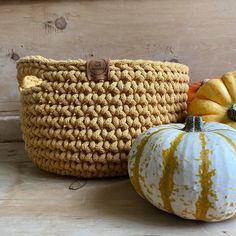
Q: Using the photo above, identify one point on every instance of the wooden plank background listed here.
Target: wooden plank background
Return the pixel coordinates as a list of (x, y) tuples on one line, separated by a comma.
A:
[(200, 34)]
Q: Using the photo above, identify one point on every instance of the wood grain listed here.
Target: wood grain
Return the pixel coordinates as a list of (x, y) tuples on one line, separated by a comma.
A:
[(10, 128), (34, 202), (200, 34)]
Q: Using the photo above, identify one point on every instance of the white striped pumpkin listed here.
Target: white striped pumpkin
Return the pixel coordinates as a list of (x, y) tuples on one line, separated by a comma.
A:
[(188, 170)]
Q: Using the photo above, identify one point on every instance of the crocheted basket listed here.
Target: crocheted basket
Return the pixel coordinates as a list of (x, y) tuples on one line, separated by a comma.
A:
[(81, 122)]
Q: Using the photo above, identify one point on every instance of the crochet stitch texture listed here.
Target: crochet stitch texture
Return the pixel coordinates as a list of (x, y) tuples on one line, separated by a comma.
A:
[(79, 127)]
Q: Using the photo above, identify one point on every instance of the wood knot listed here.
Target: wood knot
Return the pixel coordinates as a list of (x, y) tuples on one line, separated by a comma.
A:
[(60, 23), (174, 60), (14, 56)]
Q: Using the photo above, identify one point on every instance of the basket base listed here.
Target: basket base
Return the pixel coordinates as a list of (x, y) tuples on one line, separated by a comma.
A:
[(67, 169)]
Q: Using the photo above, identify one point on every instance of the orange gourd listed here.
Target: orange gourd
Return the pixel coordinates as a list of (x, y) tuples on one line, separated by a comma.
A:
[(193, 88)]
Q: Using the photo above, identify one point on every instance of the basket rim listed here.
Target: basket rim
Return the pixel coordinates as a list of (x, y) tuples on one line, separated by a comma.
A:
[(82, 62)]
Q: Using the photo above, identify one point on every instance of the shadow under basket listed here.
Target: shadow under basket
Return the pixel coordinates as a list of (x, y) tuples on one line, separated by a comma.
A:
[(80, 125)]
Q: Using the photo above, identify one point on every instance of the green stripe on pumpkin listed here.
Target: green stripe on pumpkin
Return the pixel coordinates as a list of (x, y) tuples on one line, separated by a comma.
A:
[(170, 163), (203, 203), (136, 177), (228, 140)]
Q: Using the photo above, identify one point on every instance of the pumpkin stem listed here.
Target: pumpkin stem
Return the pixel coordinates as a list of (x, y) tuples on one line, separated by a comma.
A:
[(232, 112), (193, 124), (203, 82)]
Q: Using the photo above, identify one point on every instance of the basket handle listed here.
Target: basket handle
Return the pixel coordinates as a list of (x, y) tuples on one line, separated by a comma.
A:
[(28, 81)]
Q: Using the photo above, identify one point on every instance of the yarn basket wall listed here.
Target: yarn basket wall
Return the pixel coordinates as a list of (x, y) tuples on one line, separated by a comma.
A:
[(76, 126)]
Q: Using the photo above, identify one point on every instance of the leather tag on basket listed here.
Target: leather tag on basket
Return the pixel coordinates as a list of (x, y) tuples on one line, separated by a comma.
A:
[(98, 69)]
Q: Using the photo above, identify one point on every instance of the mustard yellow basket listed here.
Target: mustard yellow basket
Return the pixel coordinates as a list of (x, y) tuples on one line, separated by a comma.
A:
[(80, 117)]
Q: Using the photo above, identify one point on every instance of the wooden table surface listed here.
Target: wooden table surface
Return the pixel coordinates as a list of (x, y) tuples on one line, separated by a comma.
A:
[(34, 202)]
